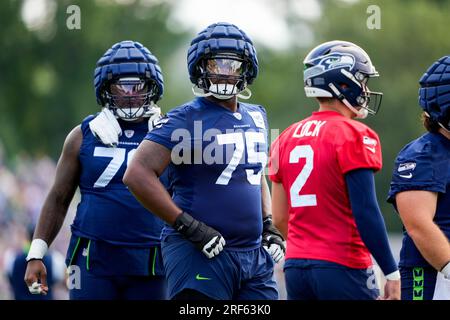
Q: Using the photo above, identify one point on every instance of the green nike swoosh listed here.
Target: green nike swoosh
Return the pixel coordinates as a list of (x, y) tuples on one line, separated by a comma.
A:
[(199, 277)]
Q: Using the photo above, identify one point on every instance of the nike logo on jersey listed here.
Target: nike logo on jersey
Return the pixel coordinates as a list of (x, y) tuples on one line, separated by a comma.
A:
[(371, 149), (406, 176), (370, 143), (199, 277)]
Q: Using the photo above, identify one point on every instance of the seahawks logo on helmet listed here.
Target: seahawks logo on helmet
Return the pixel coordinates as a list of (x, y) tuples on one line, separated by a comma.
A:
[(330, 62)]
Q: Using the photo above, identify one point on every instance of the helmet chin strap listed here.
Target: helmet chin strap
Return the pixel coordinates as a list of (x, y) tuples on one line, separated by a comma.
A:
[(362, 113)]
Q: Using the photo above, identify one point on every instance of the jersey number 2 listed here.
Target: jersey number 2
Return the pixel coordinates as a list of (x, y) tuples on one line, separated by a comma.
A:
[(118, 158), (306, 200)]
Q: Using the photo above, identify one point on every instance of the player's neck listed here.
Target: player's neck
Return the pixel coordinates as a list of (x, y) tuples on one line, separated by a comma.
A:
[(230, 104), (444, 132), (337, 106)]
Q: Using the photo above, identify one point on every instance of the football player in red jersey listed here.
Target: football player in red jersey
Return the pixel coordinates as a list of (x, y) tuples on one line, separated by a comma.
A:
[(323, 188)]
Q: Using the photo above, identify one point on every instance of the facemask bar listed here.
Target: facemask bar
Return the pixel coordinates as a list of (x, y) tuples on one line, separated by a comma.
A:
[(129, 104), (223, 76), (369, 102)]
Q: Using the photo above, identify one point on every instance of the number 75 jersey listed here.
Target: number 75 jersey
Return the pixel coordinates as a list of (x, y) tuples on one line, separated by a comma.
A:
[(310, 159), (217, 162)]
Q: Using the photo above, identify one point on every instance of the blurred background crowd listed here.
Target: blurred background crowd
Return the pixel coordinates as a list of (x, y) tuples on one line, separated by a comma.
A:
[(46, 76), (24, 183)]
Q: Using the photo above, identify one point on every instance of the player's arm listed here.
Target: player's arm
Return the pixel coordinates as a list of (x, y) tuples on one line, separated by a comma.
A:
[(417, 209), (272, 239), (54, 210), (280, 208), (142, 178), (371, 227), (266, 204)]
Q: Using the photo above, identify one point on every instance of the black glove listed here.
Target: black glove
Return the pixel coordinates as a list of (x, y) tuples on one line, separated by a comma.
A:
[(272, 240), (205, 238)]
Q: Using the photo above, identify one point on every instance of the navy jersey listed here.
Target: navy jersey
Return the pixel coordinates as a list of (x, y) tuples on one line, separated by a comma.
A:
[(423, 164), (217, 161), (107, 210)]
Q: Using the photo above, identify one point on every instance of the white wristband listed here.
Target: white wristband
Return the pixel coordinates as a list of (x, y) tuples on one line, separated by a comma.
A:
[(393, 276), (446, 271), (38, 249)]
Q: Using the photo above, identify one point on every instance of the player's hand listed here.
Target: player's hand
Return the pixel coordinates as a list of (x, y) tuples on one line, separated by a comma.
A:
[(272, 240), (391, 290), (36, 277), (106, 128), (206, 239), (156, 114)]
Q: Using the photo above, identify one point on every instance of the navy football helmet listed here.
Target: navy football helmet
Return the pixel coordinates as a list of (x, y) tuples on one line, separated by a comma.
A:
[(434, 92), (341, 69), (222, 62), (128, 80)]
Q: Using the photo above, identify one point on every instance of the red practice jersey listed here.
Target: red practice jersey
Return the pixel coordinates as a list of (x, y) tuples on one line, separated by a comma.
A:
[(310, 159)]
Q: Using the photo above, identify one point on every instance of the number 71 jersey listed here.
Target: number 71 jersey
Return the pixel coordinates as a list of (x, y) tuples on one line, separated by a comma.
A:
[(310, 159), (107, 210), (217, 161)]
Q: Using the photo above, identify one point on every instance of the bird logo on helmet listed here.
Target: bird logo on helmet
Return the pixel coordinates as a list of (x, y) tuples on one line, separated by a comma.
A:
[(128, 81), (222, 62), (434, 92), (341, 70)]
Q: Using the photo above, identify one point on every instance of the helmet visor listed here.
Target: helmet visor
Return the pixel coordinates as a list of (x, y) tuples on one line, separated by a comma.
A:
[(130, 98), (129, 92), (224, 66)]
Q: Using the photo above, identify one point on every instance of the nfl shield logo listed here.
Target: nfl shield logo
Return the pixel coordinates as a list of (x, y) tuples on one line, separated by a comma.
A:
[(129, 133)]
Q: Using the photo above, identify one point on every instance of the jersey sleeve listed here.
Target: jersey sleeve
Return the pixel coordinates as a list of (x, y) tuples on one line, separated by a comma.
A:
[(266, 124), (357, 147), (419, 167), (274, 161), (165, 129)]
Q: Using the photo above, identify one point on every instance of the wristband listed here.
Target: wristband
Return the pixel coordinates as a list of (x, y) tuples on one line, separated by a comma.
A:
[(38, 249), (393, 276)]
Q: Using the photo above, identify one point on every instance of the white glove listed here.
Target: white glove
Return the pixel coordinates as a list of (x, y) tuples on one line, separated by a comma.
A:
[(106, 128), (156, 114), (35, 288), (275, 251), (214, 247)]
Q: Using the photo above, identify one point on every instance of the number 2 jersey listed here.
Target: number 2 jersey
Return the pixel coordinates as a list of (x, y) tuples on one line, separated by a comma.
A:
[(217, 160), (107, 210), (310, 159)]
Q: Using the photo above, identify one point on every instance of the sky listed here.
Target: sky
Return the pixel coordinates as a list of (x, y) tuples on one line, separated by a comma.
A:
[(263, 20)]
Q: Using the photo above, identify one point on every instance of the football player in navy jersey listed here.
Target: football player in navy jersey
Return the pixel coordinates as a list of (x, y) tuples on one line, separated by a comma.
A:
[(420, 192), (216, 150), (114, 252)]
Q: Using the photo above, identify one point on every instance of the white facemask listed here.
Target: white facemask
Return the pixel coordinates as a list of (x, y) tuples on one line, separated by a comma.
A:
[(124, 115), (224, 91)]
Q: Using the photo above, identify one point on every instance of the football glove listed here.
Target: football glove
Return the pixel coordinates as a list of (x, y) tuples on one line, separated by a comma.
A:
[(206, 239), (106, 128), (272, 240), (36, 288)]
